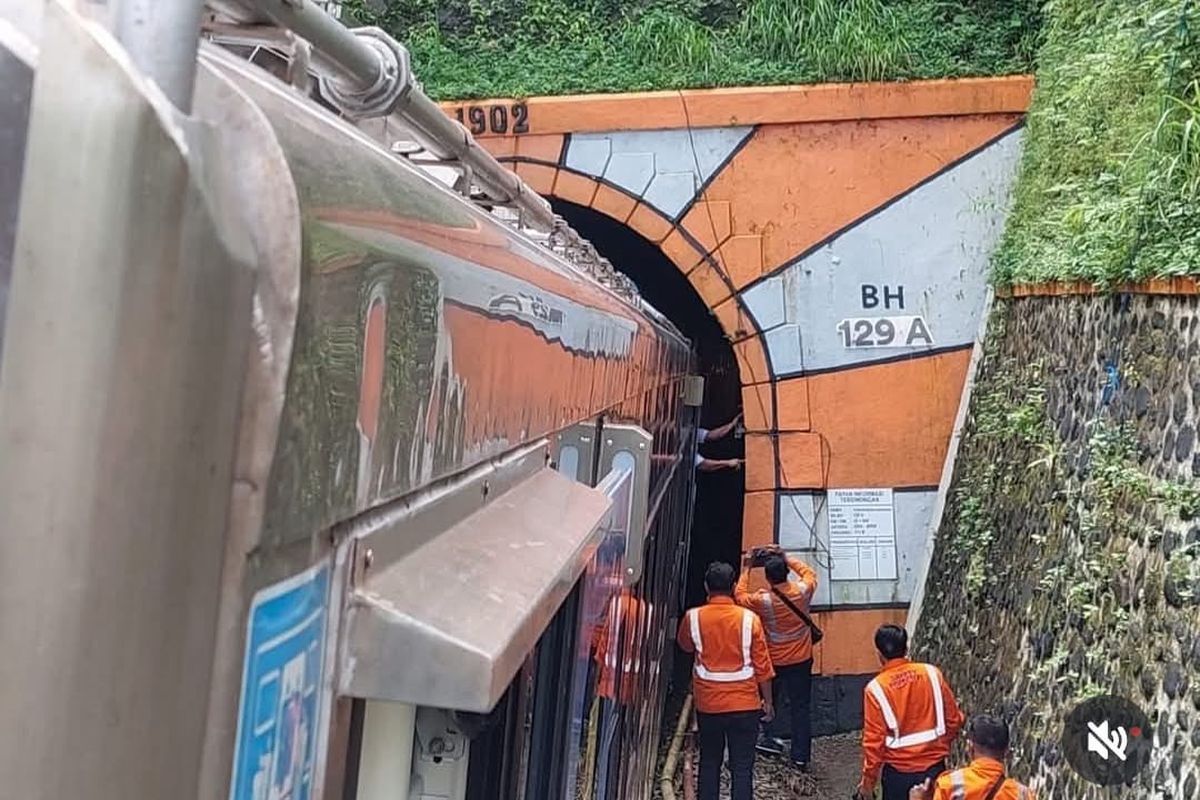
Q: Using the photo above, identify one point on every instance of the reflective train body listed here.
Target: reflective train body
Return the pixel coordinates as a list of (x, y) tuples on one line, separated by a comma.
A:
[(316, 479)]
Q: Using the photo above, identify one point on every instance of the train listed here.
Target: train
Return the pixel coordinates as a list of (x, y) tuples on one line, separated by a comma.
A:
[(325, 472)]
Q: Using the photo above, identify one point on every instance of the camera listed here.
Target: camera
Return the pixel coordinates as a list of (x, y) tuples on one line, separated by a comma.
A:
[(758, 556)]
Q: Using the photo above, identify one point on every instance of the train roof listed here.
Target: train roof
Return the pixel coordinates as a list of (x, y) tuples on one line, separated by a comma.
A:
[(416, 130)]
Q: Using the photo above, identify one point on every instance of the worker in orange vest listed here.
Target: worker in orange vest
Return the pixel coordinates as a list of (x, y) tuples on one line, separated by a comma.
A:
[(910, 719), (984, 778), (783, 609), (731, 683), (624, 614)]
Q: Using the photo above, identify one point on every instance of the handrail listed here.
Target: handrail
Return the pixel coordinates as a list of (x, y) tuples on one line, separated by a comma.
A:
[(366, 73)]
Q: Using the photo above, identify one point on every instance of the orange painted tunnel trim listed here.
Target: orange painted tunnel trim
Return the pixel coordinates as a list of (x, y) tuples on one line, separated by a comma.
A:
[(848, 647), (888, 425), (769, 105), (852, 167)]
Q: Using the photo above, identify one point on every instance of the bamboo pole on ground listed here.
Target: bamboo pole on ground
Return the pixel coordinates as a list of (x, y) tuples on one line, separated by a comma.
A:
[(668, 774)]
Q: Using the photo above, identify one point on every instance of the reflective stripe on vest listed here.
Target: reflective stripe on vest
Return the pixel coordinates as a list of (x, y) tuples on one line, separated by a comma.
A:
[(958, 785), (898, 739), (774, 636), (630, 665), (702, 672)]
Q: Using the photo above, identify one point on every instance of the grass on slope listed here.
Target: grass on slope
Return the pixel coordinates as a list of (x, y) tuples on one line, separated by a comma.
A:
[(520, 48), (1109, 188)]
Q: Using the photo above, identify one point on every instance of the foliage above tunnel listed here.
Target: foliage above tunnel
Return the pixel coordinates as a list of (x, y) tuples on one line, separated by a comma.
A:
[(1109, 188), (520, 48)]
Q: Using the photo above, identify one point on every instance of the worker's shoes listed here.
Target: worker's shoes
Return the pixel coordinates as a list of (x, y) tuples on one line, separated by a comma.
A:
[(801, 766), (771, 746)]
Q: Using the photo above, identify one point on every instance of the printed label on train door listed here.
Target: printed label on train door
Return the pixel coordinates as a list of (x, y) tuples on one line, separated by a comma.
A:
[(281, 680)]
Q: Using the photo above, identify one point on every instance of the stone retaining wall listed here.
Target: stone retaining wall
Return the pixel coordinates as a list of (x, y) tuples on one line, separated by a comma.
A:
[(1067, 563)]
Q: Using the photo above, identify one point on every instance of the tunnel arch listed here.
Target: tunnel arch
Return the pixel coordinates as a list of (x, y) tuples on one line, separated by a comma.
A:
[(778, 206), (720, 498)]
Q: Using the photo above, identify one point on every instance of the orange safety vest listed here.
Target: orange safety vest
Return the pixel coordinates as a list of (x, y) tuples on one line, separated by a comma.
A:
[(910, 719), (731, 656), (789, 638), (623, 615), (975, 781)]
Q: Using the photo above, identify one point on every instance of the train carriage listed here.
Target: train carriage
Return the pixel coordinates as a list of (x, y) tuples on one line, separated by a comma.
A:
[(321, 475)]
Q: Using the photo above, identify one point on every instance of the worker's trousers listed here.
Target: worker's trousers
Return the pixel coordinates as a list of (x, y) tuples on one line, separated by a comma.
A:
[(738, 730), (796, 681), (896, 783)]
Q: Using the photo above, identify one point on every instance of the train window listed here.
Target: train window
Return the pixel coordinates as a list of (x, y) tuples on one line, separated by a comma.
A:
[(499, 760), (568, 461), (551, 705)]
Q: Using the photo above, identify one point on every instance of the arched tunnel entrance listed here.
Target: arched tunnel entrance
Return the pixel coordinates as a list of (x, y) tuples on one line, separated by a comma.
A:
[(717, 521)]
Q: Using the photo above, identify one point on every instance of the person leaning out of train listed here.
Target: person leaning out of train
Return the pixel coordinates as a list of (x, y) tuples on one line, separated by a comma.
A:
[(783, 609), (731, 682), (984, 778), (704, 435), (910, 720)]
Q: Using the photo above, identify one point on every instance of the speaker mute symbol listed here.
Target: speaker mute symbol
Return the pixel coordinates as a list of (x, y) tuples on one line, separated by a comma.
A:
[(1103, 742)]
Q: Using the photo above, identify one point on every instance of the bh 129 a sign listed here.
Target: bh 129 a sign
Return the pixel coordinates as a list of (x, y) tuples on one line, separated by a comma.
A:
[(898, 330), (885, 332)]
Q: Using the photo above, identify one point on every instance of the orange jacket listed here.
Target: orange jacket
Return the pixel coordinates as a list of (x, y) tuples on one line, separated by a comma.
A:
[(731, 656), (975, 781), (621, 620), (788, 637), (910, 719)]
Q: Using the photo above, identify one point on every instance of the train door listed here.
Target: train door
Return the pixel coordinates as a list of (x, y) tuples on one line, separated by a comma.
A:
[(501, 617)]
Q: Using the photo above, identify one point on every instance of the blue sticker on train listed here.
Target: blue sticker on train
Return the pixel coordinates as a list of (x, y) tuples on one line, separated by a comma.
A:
[(281, 689)]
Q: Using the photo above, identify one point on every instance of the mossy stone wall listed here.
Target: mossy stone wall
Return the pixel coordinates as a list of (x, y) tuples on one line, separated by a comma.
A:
[(1067, 563)]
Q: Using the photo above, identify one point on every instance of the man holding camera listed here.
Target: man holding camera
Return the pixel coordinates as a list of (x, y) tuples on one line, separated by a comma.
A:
[(783, 609)]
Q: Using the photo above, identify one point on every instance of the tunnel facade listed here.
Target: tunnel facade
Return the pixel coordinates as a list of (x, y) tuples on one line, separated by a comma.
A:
[(840, 237)]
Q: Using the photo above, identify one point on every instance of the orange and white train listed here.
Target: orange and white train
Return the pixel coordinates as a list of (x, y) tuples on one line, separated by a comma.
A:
[(320, 473)]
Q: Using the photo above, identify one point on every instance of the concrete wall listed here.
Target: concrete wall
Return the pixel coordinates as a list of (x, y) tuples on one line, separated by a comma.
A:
[(791, 210), (1068, 561)]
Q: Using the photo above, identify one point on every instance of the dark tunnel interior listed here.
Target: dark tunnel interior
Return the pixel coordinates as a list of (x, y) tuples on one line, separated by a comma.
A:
[(717, 519)]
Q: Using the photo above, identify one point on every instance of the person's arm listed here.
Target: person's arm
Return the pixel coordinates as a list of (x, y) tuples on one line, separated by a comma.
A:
[(942, 789), (764, 670), (714, 464), (954, 715), (931, 790), (873, 735), (684, 636), (722, 431), (741, 591), (807, 574), (768, 699)]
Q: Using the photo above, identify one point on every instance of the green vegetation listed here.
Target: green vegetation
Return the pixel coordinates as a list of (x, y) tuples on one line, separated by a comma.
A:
[(1068, 557), (520, 48), (1109, 189)]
